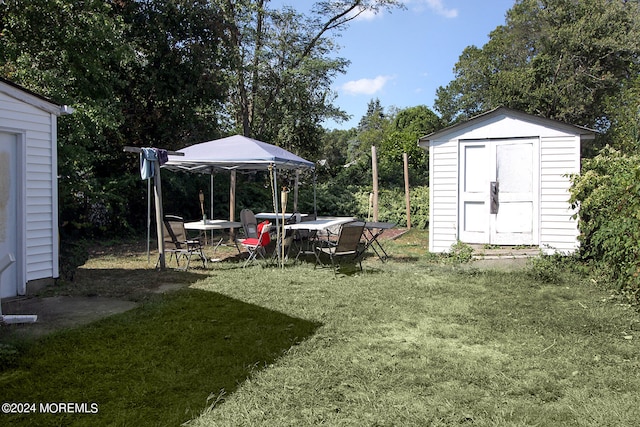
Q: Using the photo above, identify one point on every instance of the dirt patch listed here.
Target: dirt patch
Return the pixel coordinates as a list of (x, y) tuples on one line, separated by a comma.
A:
[(392, 233), (60, 312)]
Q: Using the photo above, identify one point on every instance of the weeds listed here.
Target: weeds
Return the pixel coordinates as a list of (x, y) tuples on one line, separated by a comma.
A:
[(460, 253)]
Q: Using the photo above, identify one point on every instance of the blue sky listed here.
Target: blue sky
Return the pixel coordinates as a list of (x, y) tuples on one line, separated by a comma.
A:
[(402, 57)]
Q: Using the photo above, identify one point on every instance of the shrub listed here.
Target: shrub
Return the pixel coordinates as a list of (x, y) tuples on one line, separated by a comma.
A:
[(8, 356), (354, 201), (607, 193), (555, 269), (460, 253)]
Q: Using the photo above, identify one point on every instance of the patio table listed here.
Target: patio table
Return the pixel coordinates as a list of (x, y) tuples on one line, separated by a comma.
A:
[(271, 216), (214, 225), (326, 226), (372, 231)]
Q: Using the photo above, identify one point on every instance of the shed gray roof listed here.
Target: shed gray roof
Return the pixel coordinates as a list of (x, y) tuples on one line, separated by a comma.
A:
[(585, 133)]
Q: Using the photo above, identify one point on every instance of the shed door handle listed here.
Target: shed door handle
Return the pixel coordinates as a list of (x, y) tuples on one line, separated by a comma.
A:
[(495, 196)]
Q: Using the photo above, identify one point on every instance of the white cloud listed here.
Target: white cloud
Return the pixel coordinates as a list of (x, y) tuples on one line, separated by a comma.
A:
[(365, 15), (435, 5), (439, 8), (366, 86)]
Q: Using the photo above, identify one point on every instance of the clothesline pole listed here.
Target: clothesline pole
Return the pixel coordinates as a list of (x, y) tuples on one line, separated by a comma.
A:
[(157, 192)]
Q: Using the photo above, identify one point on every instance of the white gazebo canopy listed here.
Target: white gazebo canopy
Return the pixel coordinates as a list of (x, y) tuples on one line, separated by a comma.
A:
[(235, 153), (238, 153)]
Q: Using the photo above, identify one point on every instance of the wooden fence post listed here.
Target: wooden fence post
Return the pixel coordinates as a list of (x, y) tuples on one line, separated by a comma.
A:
[(407, 196)]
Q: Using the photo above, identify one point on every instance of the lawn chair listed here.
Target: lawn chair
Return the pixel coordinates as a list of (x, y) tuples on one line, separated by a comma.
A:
[(256, 235), (249, 223), (346, 246), (176, 242)]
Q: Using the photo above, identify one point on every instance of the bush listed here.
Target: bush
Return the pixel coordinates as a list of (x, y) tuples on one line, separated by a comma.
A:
[(556, 268), (8, 356), (607, 193), (353, 200), (460, 253)]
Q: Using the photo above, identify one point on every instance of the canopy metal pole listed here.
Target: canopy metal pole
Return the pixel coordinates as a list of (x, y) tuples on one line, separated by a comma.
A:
[(315, 204), (283, 202), (295, 191), (232, 200), (211, 198), (275, 206)]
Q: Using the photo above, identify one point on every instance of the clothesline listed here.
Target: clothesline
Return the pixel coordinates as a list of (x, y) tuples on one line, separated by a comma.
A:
[(150, 167)]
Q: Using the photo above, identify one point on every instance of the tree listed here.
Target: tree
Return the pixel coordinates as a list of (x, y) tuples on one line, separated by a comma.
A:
[(402, 136), (168, 73), (371, 130), (136, 73), (561, 59), (282, 69), (334, 151), (76, 62), (622, 114), (175, 93)]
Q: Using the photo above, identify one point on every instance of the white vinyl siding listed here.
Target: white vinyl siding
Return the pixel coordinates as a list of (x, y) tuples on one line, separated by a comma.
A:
[(38, 196), (443, 192), (559, 157)]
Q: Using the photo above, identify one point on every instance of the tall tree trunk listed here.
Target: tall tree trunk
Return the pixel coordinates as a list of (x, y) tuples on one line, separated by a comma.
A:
[(256, 61), (235, 41)]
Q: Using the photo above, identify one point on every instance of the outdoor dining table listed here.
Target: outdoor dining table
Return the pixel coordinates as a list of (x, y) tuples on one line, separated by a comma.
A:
[(271, 216), (330, 225), (322, 226), (214, 225), (373, 230)]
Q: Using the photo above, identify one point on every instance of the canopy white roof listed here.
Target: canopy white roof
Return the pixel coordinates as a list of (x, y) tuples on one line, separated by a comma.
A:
[(235, 152)]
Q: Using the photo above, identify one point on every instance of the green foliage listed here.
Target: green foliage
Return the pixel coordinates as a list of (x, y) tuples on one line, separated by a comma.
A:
[(9, 356), (401, 137), (607, 193), (558, 59), (73, 254), (353, 200), (553, 269), (623, 114), (459, 253)]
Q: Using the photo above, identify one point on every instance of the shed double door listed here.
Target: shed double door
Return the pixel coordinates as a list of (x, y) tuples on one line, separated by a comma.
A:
[(498, 191)]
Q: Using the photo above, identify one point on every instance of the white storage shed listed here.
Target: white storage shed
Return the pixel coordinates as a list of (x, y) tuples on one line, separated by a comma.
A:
[(502, 178), (28, 189)]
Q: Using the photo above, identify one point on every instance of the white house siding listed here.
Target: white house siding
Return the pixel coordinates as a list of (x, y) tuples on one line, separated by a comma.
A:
[(443, 194), (559, 156), (39, 204)]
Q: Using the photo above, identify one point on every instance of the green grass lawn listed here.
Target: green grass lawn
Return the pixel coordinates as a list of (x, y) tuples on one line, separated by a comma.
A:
[(413, 341)]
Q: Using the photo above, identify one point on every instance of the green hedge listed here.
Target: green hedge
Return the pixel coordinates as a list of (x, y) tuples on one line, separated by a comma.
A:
[(608, 195), (354, 201)]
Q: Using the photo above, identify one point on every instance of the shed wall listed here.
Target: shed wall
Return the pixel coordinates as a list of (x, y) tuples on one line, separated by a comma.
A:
[(39, 191), (559, 153), (443, 206), (559, 157)]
